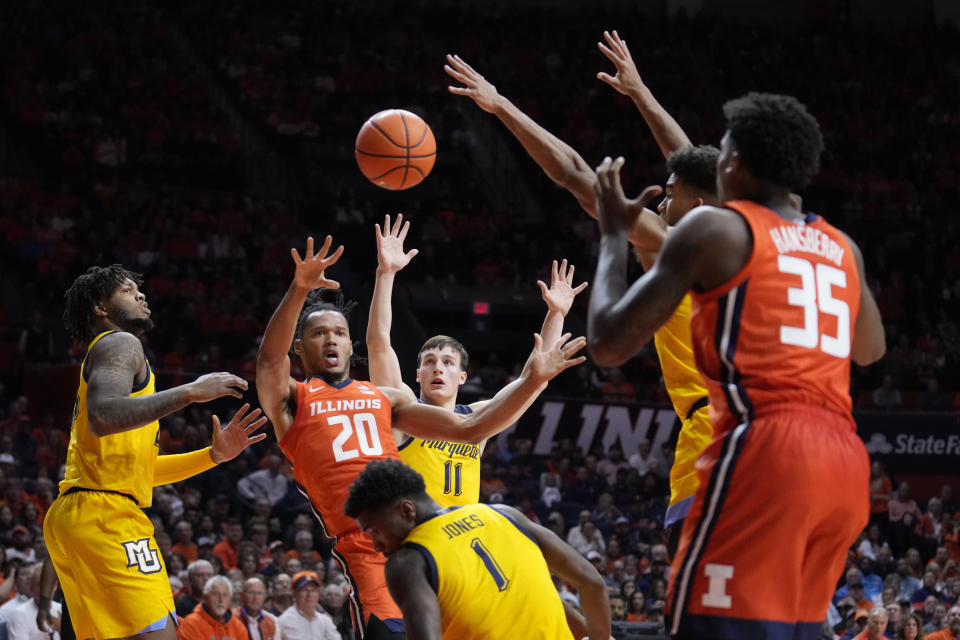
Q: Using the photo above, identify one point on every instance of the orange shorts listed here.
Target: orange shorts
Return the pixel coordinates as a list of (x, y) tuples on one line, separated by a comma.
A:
[(375, 614), (780, 501)]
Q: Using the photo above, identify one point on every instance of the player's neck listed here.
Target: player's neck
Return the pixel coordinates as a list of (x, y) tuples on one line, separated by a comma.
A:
[(329, 377), (444, 403), (426, 508)]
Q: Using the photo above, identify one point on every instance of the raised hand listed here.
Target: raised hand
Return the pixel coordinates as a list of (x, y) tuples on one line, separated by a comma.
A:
[(627, 79), (560, 294), (216, 385), (310, 269), (615, 213), (390, 255), (475, 86), (545, 363), (229, 441)]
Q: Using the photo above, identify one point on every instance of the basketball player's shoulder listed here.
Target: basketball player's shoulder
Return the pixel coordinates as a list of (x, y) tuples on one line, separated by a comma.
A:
[(706, 222), (116, 349)]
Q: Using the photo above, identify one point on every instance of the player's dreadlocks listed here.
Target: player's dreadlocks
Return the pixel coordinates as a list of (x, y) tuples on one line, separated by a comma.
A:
[(696, 166), (89, 290), (777, 138), (380, 484)]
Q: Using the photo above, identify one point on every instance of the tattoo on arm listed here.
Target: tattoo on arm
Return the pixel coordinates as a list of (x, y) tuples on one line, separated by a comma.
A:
[(113, 369)]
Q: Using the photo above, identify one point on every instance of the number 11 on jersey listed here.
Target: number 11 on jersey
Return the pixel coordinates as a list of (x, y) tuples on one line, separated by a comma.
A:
[(456, 471)]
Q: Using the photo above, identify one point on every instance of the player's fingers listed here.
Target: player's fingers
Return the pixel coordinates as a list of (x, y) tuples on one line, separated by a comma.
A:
[(563, 271), (606, 77), (404, 230), (386, 222), (574, 362), (238, 416), (397, 225), (615, 175), (255, 425), (464, 65), (607, 51), (412, 253), (543, 287), (537, 342), (236, 381), (379, 234), (333, 285), (647, 195), (461, 91), (296, 256), (603, 174), (611, 40), (333, 257), (309, 253), (256, 438), (216, 423), (458, 75), (582, 286), (325, 247)]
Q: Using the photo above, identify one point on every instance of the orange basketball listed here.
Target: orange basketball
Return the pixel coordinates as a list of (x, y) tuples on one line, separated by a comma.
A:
[(395, 149)]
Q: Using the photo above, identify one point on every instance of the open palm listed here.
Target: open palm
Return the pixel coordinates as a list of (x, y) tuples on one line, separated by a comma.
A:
[(390, 254), (561, 292), (229, 441), (310, 269)]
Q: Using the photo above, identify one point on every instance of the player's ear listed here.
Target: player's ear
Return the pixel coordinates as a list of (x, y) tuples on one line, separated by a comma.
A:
[(298, 347), (698, 202), (100, 309), (408, 510), (463, 377), (418, 372)]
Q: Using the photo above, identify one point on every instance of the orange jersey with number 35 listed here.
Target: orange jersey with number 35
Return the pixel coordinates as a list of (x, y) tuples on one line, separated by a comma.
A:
[(336, 431), (780, 330)]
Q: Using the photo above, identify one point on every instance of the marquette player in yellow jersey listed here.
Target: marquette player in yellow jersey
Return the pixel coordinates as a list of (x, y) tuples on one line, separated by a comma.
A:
[(451, 470), (100, 542), (691, 183), (472, 572)]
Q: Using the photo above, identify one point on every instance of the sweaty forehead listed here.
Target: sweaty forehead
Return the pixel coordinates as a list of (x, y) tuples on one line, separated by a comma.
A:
[(325, 318), (441, 352)]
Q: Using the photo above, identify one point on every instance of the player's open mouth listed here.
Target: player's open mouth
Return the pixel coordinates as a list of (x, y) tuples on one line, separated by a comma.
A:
[(437, 384), (332, 357), (146, 309)]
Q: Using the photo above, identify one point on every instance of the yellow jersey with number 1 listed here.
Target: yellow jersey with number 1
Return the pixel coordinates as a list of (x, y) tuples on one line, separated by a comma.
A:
[(121, 462), (490, 577), (688, 394), (451, 470)]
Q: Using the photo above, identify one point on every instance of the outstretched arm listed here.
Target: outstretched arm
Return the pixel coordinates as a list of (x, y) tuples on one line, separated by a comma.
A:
[(559, 161), (565, 563), (626, 80), (228, 442), (275, 387), (708, 247), (406, 574), (433, 423), (383, 363), (559, 298), (114, 363)]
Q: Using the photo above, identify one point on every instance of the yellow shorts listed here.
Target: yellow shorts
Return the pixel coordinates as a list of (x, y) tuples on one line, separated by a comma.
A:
[(112, 575), (696, 432)]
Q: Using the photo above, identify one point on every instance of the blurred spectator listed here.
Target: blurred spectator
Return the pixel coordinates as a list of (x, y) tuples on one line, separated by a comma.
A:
[(198, 572), (334, 601), (952, 632), (22, 545), (269, 483), (228, 549), (183, 532), (876, 625), (212, 618), (614, 461), (22, 620), (25, 579), (281, 594), (618, 608), (303, 621), (880, 491), (938, 620), (617, 388), (260, 624), (887, 397)]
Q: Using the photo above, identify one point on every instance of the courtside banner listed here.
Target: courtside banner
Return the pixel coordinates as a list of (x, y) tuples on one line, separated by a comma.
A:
[(913, 443)]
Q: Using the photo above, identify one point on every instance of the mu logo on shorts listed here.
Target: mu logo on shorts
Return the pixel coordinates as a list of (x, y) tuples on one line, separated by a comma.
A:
[(140, 554)]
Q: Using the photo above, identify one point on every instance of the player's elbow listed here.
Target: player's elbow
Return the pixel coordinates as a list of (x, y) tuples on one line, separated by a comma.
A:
[(604, 353), (99, 426), (869, 353)]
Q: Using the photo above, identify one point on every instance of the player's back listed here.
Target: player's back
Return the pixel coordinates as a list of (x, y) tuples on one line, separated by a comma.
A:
[(779, 331), (337, 430), (451, 470), (120, 462), (490, 577)]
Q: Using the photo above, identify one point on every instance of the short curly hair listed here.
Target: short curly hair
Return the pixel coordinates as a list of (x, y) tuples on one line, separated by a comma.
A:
[(86, 292), (380, 484), (776, 137), (696, 166)]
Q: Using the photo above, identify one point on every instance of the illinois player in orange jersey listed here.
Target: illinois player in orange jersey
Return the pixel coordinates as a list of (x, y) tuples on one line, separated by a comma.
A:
[(778, 313), (330, 426)]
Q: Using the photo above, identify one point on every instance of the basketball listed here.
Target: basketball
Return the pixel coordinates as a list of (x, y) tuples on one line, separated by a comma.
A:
[(395, 149)]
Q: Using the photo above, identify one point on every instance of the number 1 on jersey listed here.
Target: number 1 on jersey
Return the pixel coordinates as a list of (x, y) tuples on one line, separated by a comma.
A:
[(496, 572)]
